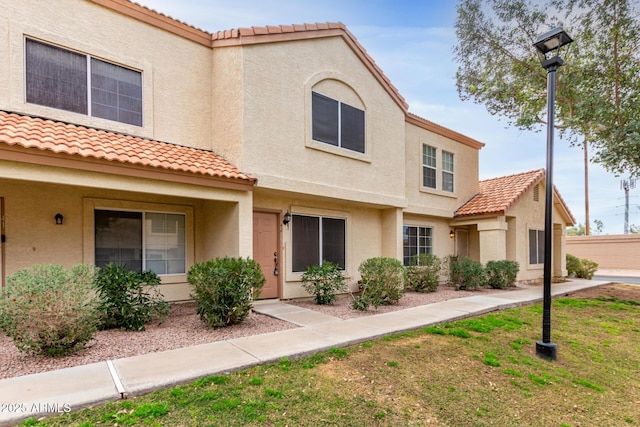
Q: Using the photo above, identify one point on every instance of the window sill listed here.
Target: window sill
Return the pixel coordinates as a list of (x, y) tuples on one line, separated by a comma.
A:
[(338, 151), (437, 192)]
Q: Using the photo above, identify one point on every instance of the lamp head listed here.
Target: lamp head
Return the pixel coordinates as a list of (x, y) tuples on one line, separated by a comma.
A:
[(548, 47)]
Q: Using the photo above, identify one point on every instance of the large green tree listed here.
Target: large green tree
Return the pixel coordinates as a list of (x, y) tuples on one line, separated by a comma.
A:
[(598, 88)]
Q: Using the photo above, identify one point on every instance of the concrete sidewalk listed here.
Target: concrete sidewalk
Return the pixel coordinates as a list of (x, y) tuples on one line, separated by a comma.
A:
[(73, 388)]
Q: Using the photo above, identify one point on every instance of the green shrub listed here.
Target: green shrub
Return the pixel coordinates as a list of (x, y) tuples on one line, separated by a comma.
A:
[(383, 281), (49, 311), (324, 282), (447, 262), (501, 274), (423, 273), (581, 268), (573, 264), (128, 299), (467, 274), (224, 289)]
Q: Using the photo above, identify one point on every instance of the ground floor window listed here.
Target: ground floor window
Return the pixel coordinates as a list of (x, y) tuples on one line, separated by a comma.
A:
[(536, 246), (416, 240), (141, 241), (316, 239)]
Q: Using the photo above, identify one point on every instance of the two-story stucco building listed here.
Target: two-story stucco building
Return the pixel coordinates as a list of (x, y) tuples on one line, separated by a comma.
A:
[(129, 137)]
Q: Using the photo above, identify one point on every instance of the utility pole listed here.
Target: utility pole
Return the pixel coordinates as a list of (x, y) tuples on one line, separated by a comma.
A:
[(626, 186)]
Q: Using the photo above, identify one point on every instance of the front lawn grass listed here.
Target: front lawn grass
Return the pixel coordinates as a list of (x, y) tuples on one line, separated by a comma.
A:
[(474, 372)]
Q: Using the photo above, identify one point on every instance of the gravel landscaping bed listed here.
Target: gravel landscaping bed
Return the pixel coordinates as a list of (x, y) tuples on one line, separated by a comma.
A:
[(183, 328)]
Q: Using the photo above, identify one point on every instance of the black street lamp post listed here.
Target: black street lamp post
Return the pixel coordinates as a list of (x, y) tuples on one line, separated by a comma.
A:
[(548, 46)]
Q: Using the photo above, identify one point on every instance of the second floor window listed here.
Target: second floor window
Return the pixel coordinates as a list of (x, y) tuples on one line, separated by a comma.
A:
[(71, 81), (447, 171), (337, 123), (428, 166)]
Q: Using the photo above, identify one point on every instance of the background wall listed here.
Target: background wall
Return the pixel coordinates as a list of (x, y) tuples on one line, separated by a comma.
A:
[(610, 252)]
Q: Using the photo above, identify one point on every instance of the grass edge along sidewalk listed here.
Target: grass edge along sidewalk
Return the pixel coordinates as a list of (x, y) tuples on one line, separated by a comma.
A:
[(475, 371)]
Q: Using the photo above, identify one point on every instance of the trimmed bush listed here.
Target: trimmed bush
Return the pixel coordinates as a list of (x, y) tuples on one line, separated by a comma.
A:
[(324, 282), (383, 282), (581, 268), (466, 274), (128, 299), (423, 273), (501, 274), (224, 289), (49, 311)]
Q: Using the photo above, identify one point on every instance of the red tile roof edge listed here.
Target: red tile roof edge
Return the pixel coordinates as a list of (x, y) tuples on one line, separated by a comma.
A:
[(33, 132), (504, 205), (535, 177), (444, 131)]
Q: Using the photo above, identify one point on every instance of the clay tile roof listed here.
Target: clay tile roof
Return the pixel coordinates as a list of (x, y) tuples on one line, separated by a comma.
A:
[(497, 195), (65, 138)]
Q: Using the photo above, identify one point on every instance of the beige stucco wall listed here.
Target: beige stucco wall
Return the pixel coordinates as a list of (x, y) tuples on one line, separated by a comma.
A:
[(217, 219), (466, 174), (175, 109), (610, 252), (277, 143), (370, 232), (527, 214)]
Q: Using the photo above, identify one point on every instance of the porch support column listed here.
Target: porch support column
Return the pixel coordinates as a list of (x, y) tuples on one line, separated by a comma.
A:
[(245, 226), (493, 239), (392, 233)]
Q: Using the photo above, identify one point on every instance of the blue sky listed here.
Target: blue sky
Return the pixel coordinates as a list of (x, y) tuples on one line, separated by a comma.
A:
[(412, 42)]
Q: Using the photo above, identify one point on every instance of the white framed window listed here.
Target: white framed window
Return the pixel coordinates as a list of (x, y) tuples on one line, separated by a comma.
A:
[(416, 240), (536, 246), (141, 240), (316, 239), (337, 123), (72, 81), (447, 171), (429, 166)]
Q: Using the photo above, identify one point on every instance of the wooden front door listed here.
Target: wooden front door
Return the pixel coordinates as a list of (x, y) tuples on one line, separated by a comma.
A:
[(265, 250)]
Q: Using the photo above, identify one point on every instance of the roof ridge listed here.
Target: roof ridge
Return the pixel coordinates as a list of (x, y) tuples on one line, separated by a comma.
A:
[(513, 175), (168, 16), (259, 30)]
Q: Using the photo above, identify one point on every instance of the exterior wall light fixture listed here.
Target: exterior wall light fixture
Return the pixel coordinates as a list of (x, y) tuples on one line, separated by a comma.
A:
[(59, 218), (287, 218), (452, 234)]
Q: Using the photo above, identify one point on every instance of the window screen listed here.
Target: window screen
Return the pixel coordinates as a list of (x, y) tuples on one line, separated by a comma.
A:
[(337, 124), (118, 239), (56, 77), (352, 128), (317, 239), (140, 241), (116, 93), (325, 119), (60, 78)]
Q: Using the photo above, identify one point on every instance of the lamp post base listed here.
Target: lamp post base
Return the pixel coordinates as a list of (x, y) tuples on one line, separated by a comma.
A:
[(546, 350)]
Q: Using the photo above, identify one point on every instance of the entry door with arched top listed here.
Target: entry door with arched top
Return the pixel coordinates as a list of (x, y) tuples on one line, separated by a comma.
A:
[(265, 250)]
